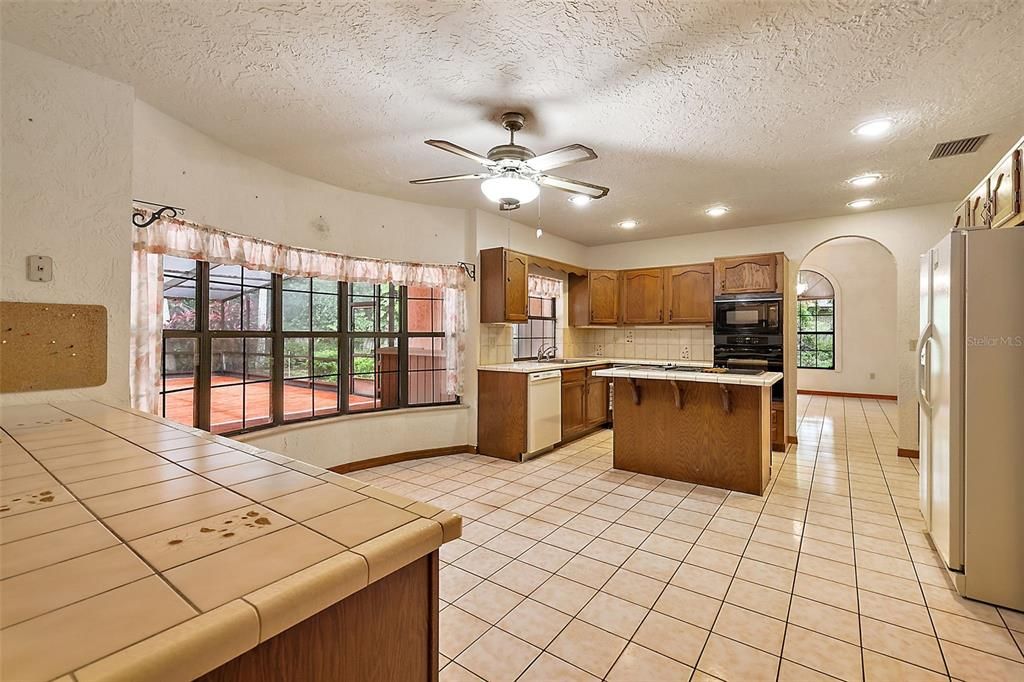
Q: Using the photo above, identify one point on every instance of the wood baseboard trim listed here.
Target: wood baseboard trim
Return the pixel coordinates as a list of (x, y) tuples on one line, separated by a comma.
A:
[(402, 457), (844, 394), (908, 452), (791, 439)]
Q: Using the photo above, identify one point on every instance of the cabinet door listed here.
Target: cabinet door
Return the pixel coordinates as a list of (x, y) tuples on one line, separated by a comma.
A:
[(1004, 188), (574, 415), (746, 274), (604, 297), (978, 207), (778, 425), (643, 296), (689, 293), (516, 299), (960, 217), (597, 401)]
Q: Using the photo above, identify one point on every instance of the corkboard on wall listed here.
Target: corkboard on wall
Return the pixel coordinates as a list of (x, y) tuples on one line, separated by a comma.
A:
[(46, 346)]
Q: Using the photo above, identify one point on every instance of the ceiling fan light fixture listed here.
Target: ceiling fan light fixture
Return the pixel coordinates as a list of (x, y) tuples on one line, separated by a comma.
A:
[(580, 199), (716, 211), (510, 188)]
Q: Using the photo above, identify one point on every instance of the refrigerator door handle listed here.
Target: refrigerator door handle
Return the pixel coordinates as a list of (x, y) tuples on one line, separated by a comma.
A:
[(923, 394)]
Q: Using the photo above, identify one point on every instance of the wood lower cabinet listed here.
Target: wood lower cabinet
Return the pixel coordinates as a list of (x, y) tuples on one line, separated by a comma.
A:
[(755, 274), (596, 398), (574, 403), (643, 296), (690, 293), (778, 422), (503, 285), (501, 414)]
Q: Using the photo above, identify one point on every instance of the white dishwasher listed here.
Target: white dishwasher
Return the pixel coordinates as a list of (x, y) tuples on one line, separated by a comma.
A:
[(543, 411)]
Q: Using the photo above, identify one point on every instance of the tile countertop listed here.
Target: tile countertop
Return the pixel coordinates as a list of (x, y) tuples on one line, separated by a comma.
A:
[(137, 548), (766, 379), (526, 366)]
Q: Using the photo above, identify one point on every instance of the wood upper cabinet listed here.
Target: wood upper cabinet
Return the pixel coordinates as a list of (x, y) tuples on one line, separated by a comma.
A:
[(643, 296), (1004, 190), (748, 274), (960, 217), (690, 293), (516, 297), (978, 215), (604, 296), (503, 285)]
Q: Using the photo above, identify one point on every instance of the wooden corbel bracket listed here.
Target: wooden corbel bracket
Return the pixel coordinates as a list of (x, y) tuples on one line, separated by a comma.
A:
[(636, 390), (680, 391), (726, 398)]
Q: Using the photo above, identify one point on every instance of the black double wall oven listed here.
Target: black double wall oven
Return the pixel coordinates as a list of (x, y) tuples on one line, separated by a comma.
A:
[(748, 334)]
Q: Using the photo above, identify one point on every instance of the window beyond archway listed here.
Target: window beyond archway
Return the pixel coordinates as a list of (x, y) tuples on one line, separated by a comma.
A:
[(816, 299)]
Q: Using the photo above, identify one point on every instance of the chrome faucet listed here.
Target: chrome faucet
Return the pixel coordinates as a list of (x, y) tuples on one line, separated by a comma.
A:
[(546, 352)]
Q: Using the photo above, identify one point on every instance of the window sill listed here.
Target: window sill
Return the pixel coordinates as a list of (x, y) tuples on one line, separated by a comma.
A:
[(286, 428)]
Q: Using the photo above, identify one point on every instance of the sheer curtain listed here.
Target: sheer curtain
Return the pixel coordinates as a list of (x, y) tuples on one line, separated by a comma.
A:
[(544, 287), (183, 238)]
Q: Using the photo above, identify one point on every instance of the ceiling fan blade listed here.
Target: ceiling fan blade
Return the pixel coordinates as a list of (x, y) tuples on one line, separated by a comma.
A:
[(557, 158), (447, 146), (574, 186), (450, 178)]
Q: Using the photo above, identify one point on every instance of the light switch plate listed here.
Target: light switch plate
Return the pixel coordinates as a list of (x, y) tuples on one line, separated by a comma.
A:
[(40, 269)]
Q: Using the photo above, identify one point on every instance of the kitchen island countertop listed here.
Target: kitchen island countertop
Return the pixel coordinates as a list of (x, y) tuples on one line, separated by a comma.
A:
[(763, 379)]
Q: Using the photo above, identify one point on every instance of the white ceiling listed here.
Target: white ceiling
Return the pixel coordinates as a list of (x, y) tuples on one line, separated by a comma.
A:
[(687, 104)]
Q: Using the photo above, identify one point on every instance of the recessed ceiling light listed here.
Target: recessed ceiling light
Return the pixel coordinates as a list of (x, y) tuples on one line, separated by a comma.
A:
[(865, 180), (861, 203), (716, 211), (875, 128), (580, 199), (628, 224)]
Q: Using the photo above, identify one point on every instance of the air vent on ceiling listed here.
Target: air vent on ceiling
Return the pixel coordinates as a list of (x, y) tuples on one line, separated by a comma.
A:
[(957, 147)]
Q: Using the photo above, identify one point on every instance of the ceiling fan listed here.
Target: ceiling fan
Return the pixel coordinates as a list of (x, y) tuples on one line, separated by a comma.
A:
[(514, 174)]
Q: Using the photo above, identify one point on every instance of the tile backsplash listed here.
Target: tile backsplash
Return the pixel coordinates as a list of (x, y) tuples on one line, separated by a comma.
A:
[(675, 343), (671, 344)]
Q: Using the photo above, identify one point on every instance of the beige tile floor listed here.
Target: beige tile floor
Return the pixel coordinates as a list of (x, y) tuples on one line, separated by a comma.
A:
[(570, 570)]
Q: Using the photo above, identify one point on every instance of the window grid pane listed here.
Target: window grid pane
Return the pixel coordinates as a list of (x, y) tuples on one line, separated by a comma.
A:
[(538, 331), (381, 330), (816, 333)]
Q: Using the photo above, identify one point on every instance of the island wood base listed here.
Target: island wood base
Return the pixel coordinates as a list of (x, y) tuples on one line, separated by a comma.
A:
[(699, 432), (385, 632)]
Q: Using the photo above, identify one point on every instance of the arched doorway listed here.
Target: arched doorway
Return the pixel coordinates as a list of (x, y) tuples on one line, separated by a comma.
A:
[(847, 325)]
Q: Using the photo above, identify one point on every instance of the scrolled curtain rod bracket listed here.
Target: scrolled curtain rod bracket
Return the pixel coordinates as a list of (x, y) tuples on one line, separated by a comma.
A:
[(469, 269), (139, 218)]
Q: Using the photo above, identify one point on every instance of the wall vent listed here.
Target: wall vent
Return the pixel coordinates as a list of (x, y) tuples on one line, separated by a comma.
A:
[(957, 147)]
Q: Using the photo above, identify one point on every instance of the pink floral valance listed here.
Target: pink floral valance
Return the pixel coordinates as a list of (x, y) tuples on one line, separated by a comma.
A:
[(544, 287), (185, 239), (178, 237)]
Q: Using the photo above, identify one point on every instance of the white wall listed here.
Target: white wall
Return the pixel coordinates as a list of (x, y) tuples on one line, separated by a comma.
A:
[(905, 232), (864, 276), (66, 193)]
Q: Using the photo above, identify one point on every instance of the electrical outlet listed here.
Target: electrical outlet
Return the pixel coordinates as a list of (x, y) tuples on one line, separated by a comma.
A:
[(684, 352), (629, 336), (599, 350)]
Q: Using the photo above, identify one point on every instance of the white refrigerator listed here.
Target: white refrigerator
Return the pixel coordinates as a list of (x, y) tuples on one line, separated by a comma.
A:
[(971, 392)]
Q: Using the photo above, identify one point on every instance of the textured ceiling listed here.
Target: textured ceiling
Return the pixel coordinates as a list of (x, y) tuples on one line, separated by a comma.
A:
[(687, 104)]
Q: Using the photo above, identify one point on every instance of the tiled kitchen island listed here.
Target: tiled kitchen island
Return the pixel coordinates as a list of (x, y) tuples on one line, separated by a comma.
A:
[(706, 427), (135, 548)]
